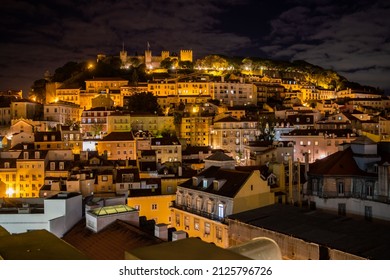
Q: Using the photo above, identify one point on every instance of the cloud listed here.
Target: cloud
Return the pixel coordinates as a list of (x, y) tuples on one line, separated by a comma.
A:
[(46, 34), (352, 39)]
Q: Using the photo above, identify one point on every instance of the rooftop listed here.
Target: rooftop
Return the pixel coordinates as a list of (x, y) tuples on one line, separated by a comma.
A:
[(184, 249), (358, 237), (111, 210), (36, 245), (119, 136), (339, 163), (219, 156), (111, 242), (234, 181)]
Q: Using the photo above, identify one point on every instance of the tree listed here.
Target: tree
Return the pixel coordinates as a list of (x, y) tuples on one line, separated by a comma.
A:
[(186, 65), (38, 90), (166, 63), (143, 102)]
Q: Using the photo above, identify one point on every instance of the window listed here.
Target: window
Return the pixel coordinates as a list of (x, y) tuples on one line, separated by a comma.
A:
[(218, 233), (52, 165), (221, 210), (154, 206), (199, 204), (210, 206), (177, 220), (127, 178), (196, 224), (104, 178), (187, 222), (137, 207), (6, 164), (369, 189), (340, 188), (189, 200), (206, 229)]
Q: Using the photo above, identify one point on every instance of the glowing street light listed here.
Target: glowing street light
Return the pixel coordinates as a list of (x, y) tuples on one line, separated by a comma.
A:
[(10, 192)]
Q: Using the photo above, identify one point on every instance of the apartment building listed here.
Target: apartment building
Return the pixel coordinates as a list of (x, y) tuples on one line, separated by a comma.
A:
[(62, 112), (118, 146), (232, 134), (204, 201), (317, 143)]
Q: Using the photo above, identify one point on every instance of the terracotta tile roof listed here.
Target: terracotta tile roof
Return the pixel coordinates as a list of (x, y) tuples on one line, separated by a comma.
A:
[(219, 156), (340, 163), (119, 136), (110, 243)]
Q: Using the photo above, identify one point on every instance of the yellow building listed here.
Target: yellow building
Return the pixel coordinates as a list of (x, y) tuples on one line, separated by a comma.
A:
[(195, 129), (154, 207), (8, 173), (30, 174), (68, 94), (99, 85), (118, 122), (203, 202), (167, 149), (118, 146), (152, 123)]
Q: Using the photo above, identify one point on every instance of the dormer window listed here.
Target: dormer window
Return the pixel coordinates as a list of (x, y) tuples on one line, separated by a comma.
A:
[(6, 164), (25, 155)]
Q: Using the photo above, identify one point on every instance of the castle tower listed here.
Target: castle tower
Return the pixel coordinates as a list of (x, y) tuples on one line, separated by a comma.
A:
[(123, 54), (164, 55), (148, 58), (186, 55)]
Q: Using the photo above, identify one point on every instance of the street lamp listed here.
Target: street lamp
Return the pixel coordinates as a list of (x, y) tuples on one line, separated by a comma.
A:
[(10, 192)]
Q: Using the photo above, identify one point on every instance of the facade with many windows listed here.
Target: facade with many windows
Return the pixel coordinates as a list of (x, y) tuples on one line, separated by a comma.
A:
[(204, 201)]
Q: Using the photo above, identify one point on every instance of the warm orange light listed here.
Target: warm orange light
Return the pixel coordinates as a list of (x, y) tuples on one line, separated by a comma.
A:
[(10, 192)]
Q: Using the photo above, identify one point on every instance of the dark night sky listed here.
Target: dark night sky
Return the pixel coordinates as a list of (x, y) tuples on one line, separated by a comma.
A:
[(351, 37)]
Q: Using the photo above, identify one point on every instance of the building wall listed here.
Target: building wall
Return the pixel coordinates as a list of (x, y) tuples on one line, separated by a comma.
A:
[(291, 247), (355, 206), (155, 207), (118, 150), (59, 216), (198, 226), (253, 194)]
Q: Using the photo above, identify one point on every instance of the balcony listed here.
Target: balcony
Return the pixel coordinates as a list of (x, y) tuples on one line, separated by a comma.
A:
[(204, 214), (362, 196)]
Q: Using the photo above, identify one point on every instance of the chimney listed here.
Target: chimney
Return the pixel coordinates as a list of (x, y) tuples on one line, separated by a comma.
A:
[(161, 231)]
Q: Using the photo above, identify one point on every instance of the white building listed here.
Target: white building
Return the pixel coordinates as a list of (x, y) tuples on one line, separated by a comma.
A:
[(57, 214)]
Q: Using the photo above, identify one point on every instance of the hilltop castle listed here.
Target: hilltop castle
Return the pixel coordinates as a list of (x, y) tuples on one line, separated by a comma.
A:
[(151, 61)]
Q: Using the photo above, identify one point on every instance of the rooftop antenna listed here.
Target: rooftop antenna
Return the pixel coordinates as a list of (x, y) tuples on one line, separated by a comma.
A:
[(148, 45), (123, 46)]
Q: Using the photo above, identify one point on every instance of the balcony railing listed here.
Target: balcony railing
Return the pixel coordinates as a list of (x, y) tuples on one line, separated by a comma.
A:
[(201, 213), (363, 196)]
